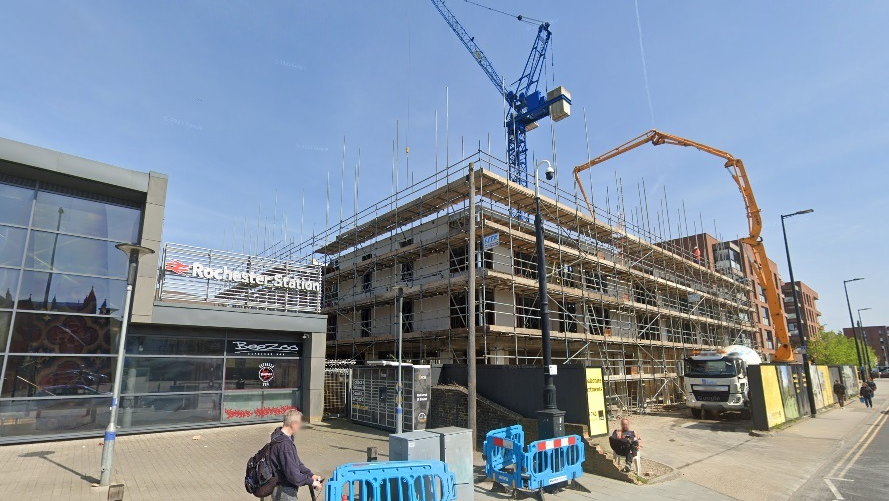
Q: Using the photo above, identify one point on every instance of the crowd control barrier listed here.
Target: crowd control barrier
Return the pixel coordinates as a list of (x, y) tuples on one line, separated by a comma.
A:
[(392, 481), (542, 464)]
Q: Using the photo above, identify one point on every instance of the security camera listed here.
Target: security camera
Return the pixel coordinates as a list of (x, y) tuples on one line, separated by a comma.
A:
[(550, 173)]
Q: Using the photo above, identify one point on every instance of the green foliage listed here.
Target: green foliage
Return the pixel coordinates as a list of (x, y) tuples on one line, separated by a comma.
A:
[(833, 348)]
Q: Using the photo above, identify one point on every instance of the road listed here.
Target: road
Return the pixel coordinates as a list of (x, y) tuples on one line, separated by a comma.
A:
[(859, 469)]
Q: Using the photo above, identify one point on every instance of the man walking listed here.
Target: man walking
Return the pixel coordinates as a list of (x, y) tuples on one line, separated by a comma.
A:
[(866, 394), (291, 471), (840, 391)]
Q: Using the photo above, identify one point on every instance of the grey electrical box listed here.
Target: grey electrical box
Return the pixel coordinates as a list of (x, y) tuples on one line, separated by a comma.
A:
[(456, 451), (415, 446), (373, 395)]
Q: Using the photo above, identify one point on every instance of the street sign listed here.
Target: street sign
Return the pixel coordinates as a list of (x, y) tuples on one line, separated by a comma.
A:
[(491, 241)]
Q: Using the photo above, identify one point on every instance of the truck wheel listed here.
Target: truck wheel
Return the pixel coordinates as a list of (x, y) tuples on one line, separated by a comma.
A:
[(696, 413)]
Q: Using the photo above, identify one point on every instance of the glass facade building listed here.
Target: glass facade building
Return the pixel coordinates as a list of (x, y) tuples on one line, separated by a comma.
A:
[(209, 352)]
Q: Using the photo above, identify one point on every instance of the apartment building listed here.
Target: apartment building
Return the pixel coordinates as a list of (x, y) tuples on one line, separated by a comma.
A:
[(877, 337), (807, 307)]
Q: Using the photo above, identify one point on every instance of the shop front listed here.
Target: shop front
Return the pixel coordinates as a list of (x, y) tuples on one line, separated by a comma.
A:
[(215, 337)]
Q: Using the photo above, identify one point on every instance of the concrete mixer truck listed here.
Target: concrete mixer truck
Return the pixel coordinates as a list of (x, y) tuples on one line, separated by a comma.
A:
[(716, 380)]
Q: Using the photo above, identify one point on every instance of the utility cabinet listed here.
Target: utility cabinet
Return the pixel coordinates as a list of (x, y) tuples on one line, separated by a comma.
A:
[(415, 446), (373, 395)]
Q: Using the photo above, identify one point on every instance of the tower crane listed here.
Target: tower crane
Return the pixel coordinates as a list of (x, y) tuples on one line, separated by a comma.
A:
[(527, 104), (758, 259)]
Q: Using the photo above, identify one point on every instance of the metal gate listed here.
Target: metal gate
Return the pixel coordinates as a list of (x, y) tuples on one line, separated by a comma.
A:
[(337, 383)]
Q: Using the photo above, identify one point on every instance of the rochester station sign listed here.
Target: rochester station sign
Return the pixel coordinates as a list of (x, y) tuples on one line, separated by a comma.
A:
[(240, 280)]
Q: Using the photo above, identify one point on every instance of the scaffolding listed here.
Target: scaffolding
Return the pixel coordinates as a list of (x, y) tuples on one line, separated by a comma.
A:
[(624, 296)]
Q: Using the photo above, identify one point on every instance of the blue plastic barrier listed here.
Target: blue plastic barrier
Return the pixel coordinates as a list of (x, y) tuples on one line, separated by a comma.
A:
[(392, 481), (542, 464)]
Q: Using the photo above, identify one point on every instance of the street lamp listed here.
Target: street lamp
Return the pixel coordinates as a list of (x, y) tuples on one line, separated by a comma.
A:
[(399, 410), (800, 323), (550, 420), (134, 252), (854, 332), (865, 341)]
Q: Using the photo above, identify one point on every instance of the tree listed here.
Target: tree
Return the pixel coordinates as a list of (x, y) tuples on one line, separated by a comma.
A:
[(833, 348)]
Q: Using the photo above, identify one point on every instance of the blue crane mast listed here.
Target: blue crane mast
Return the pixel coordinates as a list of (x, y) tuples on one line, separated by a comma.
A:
[(527, 104)]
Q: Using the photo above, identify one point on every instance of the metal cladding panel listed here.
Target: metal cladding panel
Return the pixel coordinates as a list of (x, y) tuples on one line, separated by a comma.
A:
[(456, 451), (414, 446), (220, 278), (373, 396)]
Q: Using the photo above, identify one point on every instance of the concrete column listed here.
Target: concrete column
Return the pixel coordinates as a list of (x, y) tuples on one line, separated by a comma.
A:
[(152, 234), (314, 350)]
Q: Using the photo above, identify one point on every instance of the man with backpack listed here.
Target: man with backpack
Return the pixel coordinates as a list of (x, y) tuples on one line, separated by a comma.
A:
[(276, 472), (866, 394)]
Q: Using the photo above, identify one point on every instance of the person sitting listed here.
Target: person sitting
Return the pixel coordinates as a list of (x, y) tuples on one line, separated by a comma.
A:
[(626, 443)]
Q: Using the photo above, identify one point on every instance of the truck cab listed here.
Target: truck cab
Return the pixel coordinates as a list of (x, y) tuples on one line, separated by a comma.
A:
[(716, 381)]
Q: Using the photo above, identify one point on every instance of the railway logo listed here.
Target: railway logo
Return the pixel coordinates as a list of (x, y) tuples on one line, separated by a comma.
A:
[(177, 267), (266, 373)]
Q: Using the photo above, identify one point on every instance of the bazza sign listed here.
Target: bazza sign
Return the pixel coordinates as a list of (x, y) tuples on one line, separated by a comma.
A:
[(198, 270)]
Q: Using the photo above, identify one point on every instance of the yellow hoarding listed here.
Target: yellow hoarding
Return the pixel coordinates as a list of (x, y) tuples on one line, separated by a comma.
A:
[(771, 391), (595, 391)]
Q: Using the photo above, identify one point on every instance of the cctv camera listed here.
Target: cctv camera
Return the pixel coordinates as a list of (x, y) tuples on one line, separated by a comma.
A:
[(550, 173)]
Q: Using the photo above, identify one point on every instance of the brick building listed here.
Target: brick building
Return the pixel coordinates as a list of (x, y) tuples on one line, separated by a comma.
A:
[(807, 307), (877, 337)]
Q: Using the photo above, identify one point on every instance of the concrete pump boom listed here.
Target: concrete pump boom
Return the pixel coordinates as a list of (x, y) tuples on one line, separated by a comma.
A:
[(757, 257)]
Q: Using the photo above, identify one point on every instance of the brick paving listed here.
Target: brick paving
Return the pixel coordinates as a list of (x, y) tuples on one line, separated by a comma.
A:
[(173, 466)]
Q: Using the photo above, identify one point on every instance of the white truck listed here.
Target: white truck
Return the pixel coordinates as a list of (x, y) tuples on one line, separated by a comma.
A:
[(716, 380)]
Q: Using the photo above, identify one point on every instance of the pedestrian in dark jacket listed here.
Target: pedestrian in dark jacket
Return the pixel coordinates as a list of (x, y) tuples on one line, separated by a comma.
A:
[(291, 471), (867, 394), (872, 384), (840, 391)]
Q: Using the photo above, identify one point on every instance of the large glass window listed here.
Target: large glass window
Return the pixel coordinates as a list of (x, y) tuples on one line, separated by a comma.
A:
[(92, 218), (63, 253), (257, 373), (47, 376), (160, 410), (258, 404), (52, 416), (184, 344), (15, 203), (58, 333), (171, 374), (72, 293), (9, 282), (12, 245)]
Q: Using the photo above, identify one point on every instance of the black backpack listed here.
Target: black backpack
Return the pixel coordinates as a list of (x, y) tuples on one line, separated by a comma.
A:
[(261, 478)]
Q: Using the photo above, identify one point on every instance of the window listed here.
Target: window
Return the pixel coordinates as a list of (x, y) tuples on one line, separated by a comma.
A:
[(648, 327), (484, 307), (766, 319), (15, 201), (459, 310), (459, 259), (595, 282), (599, 320), (92, 218), (643, 295), (365, 322), (407, 316), (568, 317), (769, 342), (367, 280), (527, 312), (331, 327), (407, 271), (525, 265)]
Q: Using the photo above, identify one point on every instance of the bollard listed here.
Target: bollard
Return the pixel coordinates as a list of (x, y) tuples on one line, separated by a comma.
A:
[(371, 454)]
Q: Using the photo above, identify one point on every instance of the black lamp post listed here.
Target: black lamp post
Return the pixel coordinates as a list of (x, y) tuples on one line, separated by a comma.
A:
[(550, 420), (852, 319), (865, 342), (800, 323)]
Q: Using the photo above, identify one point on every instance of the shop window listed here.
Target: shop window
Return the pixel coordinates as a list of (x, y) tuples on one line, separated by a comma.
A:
[(171, 374), (407, 316), (60, 333), (168, 410), (365, 322), (527, 312), (252, 373), (54, 416), (142, 341), (52, 376), (459, 259)]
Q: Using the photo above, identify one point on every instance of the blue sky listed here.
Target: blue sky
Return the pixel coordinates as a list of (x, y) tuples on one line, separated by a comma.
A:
[(235, 99)]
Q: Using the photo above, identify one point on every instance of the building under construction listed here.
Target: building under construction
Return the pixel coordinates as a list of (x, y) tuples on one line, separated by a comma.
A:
[(622, 295)]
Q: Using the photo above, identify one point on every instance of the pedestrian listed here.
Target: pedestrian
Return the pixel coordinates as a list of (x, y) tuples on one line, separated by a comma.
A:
[(839, 390), (626, 442), (872, 384), (291, 471), (866, 394)]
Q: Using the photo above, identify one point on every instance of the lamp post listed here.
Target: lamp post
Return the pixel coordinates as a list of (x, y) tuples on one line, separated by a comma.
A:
[(134, 252), (865, 342), (550, 420), (851, 319), (399, 409), (800, 323)]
